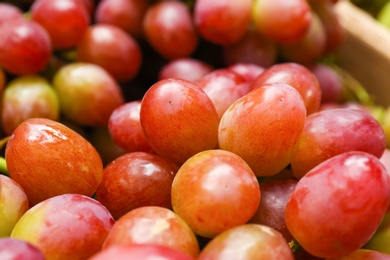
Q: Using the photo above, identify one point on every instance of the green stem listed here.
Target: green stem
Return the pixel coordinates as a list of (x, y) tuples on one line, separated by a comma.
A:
[(355, 90), (294, 245)]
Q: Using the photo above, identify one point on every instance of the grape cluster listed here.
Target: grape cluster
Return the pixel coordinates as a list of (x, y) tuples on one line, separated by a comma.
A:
[(140, 42), (133, 38)]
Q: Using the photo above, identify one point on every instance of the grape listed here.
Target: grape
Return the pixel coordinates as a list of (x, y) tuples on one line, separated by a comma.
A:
[(263, 127), (125, 127), (168, 27), (88, 94), (9, 12), (64, 20), (25, 47), (249, 241), (337, 206), (134, 180), (141, 251), (310, 48), (185, 68), (331, 84), (153, 225), (26, 97), (213, 191), (297, 76), (252, 48), (271, 211), (38, 142), (284, 22), (178, 119), (331, 132), (362, 254), (112, 49), (125, 14), (222, 22), (383, 15)]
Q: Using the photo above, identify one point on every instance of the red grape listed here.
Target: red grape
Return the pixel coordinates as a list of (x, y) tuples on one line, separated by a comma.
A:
[(331, 132), (14, 249), (112, 49), (67, 226), (214, 191), (134, 180), (125, 127), (252, 47), (64, 20), (337, 206), (263, 127), (310, 48), (249, 241), (271, 211), (185, 68), (297, 76), (222, 22), (331, 83), (140, 251), (125, 14), (282, 21), (38, 142), (153, 225), (168, 27), (9, 12), (25, 47), (178, 119)]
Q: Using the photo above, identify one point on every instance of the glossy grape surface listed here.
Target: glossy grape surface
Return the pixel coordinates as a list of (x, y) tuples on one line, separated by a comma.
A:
[(337, 206)]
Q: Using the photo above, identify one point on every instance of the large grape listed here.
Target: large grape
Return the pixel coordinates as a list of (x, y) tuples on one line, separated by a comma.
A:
[(337, 206), (334, 131)]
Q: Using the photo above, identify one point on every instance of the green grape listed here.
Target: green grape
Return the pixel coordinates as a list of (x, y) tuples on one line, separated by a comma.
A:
[(383, 16)]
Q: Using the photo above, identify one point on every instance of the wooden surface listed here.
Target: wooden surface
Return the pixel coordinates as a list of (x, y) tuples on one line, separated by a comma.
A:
[(365, 54)]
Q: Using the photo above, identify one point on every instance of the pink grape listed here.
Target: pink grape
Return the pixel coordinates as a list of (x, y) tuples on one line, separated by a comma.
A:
[(338, 205)]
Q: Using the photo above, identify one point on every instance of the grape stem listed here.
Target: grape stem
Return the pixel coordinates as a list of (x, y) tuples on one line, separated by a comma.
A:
[(3, 142), (294, 245), (354, 90)]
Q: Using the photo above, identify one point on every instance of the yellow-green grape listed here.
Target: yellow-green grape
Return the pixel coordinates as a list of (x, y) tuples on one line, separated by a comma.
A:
[(380, 241), (383, 16)]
